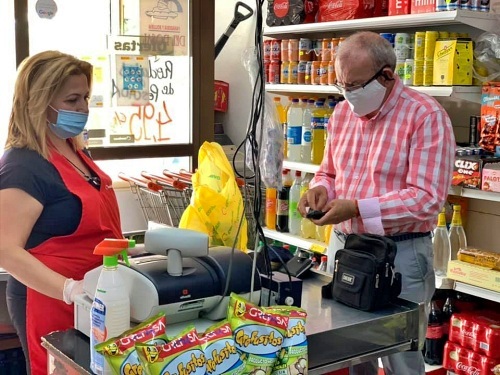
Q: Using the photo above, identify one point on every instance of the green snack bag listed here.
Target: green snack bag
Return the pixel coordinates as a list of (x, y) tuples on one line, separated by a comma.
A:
[(218, 345), (258, 335), (182, 355), (120, 351), (292, 358)]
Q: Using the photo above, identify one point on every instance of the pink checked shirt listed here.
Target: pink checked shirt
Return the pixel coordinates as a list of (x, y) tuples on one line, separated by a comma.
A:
[(397, 164)]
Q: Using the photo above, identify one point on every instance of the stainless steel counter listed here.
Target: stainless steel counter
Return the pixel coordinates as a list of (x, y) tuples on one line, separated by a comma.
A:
[(338, 336)]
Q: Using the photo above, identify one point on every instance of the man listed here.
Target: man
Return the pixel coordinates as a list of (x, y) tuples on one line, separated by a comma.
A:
[(386, 170)]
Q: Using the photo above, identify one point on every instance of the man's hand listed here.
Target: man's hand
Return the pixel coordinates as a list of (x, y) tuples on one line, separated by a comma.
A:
[(315, 198), (337, 211)]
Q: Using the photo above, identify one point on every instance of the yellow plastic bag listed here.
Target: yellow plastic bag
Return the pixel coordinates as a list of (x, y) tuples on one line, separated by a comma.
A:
[(216, 206)]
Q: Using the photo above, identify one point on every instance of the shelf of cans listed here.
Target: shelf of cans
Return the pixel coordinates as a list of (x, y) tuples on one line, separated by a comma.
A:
[(307, 65), (486, 21)]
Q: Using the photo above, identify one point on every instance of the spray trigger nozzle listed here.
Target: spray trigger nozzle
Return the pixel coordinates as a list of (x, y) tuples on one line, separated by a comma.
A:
[(111, 248)]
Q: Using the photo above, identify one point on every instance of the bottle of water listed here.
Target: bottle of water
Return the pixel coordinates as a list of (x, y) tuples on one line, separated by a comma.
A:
[(294, 130), (441, 246), (294, 217), (305, 146), (458, 240)]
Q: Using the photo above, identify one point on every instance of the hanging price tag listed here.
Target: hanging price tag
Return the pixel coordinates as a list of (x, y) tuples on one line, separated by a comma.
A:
[(317, 248)]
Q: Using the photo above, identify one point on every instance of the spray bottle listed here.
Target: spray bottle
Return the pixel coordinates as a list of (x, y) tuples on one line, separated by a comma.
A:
[(110, 313)]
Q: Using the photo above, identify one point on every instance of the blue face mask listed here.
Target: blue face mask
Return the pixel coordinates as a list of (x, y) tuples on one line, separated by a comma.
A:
[(69, 123)]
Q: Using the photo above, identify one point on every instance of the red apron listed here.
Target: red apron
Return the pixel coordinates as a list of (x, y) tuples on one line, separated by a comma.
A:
[(71, 256)]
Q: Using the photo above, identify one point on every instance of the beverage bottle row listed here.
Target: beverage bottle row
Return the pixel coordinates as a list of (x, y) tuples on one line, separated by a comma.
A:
[(281, 208), (304, 128), (446, 243)]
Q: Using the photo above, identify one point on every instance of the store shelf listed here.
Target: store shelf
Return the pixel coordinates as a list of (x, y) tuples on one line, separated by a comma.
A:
[(469, 93), (475, 194), (480, 20), (444, 283), (308, 244), (3, 275), (477, 291), (303, 167)]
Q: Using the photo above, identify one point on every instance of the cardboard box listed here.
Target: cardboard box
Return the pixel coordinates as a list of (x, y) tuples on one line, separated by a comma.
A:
[(423, 6), (489, 129), (398, 7), (453, 62), (221, 96), (475, 275), (467, 170)]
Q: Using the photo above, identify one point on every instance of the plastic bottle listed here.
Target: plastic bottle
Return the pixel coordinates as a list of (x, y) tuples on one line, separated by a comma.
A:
[(294, 130), (434, 337), (318, 132), (282, 205), (281, 111), (458, 240), (294, 217), (307, 227), (322, 264), (305, 145), (110, 312), (449, 309), (320, 232), (441, 246), (271, 195)]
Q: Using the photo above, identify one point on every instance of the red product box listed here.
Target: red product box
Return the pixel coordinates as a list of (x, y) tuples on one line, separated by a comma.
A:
[(398, 7), (381, 8), (478, 331), (468, 170), (221, 96), (464, 361), (338, 10), (423, 6)]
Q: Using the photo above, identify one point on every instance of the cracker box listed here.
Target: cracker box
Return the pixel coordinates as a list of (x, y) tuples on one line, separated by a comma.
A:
[(398, 7), (475, 275), (467, 170), (221, 96), (490, 179), (453, 62), (423, 6)]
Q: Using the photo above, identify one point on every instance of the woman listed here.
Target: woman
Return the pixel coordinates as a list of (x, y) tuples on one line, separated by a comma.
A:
[(56, 205)]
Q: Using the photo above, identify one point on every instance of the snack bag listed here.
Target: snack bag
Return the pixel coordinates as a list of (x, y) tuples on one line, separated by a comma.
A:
[(292, 358), (182, 355), (220, 351), (120, 351), (258, 335)]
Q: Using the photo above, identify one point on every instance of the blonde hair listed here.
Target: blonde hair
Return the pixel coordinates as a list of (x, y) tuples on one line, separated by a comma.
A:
[(39, 79)]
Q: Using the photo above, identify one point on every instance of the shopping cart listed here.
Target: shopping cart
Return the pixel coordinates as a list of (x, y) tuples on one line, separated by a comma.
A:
[(162, 199)]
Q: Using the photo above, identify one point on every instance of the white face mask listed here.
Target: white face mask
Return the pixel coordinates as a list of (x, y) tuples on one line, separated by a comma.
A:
[(366, 99)]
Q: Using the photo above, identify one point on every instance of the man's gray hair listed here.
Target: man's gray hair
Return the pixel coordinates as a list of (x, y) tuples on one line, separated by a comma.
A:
[(378, 48)]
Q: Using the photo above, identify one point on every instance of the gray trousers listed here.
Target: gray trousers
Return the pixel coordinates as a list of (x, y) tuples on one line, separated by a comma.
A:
[(414, 260)]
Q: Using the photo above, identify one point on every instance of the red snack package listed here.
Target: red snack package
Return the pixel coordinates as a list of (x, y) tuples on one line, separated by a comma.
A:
[(336, 10)]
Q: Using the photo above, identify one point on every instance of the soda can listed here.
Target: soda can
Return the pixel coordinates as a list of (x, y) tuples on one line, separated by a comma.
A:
[(275, 50), (389, 37), (400, 69), (267, 63), (475, 4), (293, 72), (326, 49), (332, 77), (465, 4), (267, 49), (418, 73), (301, 72), (284, 50), (323, 77), (308, 72), (484, 6), (274, 72), (335, 47), (441, 5), (305, 49), (419, 45), (285, 71), (293, 50), (316, 73), (408, 71), (452, 4)]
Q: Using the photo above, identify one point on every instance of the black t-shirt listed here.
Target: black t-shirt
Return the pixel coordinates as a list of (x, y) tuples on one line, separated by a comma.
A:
[(27, 170)]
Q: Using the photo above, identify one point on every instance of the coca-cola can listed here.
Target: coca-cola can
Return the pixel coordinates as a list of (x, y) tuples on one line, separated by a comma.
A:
[(274, 72), (275, 50), (267, 49)]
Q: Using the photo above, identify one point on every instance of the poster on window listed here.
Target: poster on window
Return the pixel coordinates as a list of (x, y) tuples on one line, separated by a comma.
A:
[(152, 98), (164, 26)]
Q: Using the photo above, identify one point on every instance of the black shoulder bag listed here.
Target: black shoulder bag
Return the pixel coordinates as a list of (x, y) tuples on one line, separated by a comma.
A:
[(364, 276)]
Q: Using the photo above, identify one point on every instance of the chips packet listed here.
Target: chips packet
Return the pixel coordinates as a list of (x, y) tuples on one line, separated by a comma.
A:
[(182, 355), (258, 335), (120, 351), (221, 353), (292, 358)]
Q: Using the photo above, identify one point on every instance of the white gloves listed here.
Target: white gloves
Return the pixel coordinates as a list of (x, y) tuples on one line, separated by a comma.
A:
[(71, 289)]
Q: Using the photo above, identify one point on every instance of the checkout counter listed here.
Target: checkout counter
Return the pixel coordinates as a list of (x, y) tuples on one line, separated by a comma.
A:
[(338, 336)]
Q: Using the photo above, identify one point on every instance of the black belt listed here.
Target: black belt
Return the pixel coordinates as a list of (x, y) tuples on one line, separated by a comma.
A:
[(396, 237)]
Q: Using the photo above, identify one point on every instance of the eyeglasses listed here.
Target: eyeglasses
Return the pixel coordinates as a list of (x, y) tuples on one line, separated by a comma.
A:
[(362, 86)]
